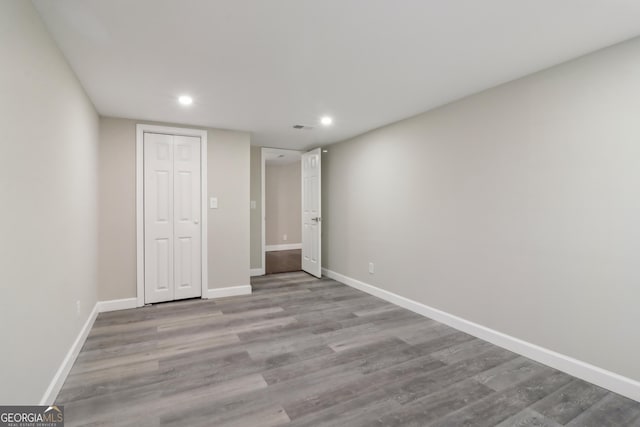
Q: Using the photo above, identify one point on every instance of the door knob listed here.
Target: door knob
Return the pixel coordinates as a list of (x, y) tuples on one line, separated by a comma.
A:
[(195, 221), (316, 219)]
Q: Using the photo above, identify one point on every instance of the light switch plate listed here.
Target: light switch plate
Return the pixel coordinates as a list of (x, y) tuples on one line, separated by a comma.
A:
[(213, 203), (253, 204)]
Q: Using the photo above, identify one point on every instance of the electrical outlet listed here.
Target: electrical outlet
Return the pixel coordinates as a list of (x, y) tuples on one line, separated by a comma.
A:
[(253, 204), (78, 307), (284, 237), (371, 268)]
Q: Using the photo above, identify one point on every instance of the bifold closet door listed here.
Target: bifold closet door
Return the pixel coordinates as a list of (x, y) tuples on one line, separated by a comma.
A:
[(172, 265), (158, 217), (187, 235)]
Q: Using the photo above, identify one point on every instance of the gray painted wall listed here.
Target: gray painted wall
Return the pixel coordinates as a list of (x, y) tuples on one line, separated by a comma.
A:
[(48, 186), (516, 208), (228, 180)]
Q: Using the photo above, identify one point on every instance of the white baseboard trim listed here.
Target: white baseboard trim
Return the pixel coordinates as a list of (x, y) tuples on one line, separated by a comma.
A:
[(67, 363), (117, 304), (256, 272), (231, 291), (593, 374), (284, 247)]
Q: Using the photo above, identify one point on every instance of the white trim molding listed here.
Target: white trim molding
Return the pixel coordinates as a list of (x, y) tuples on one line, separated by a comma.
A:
[(263, 203), (256, 272), (117, 304), (610, 380), (204, 214), (283, 247), (67, 363), (231, 291)]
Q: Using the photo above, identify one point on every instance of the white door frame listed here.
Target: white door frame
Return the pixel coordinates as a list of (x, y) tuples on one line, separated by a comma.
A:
[(140, 130), (263, 161)]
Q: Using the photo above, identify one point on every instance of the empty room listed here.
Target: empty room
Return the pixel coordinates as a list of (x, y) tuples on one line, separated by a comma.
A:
[(305, 213)]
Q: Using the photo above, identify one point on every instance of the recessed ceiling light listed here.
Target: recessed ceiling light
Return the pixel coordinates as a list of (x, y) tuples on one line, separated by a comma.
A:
[(185, 100), (326, 120)]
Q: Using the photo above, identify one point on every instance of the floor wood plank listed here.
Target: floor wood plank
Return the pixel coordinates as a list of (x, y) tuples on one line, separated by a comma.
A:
[(302, 351)]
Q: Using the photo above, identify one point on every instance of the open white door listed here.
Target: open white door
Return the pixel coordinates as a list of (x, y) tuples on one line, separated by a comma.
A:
[(311, 213)]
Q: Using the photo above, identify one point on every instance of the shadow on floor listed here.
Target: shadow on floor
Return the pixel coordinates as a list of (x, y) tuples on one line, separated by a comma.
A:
[(283, 261)]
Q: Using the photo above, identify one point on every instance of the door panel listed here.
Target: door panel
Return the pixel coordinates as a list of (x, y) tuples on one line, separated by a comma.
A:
[(188, 271), (184, 257), (183, 191), (158, 218), (172, 253), (311, 212), (162, 262)]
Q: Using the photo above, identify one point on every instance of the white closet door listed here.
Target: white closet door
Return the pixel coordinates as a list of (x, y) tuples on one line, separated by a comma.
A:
[(186, 178), (158, 218), (172, 229)]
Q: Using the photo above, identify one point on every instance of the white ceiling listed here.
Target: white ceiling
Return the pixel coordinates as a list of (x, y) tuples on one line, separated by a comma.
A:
[(279, 157), (263, 66)]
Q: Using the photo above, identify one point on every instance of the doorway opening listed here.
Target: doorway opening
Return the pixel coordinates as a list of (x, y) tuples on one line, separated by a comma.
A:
[(171, 189), (282, 210)]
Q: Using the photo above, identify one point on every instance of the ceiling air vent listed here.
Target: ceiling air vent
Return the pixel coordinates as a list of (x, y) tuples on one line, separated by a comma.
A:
[(300, 127)]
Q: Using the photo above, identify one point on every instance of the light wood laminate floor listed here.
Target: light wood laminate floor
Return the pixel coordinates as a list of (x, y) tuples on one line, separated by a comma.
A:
[(307, 352)]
